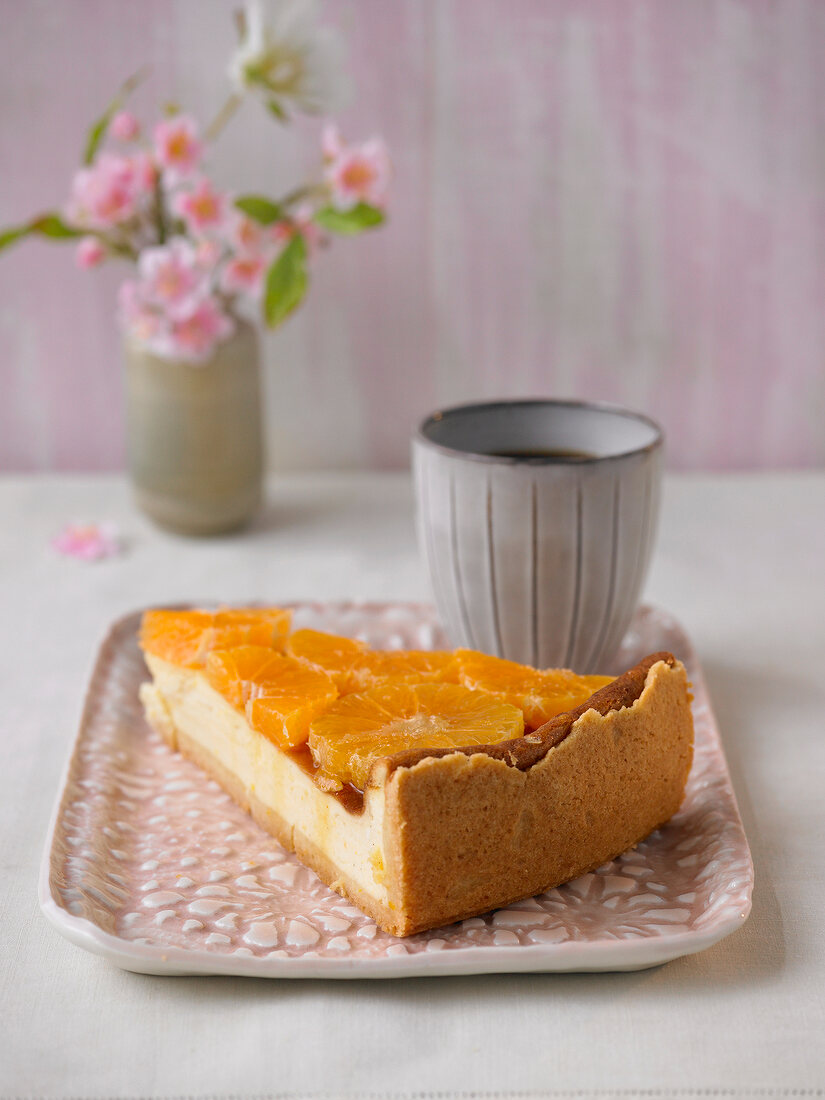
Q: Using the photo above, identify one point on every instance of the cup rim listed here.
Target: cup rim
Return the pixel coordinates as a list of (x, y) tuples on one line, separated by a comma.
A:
[(420, 436)]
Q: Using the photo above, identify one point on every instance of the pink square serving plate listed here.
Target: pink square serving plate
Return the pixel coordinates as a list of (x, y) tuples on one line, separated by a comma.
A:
[(151, 865)]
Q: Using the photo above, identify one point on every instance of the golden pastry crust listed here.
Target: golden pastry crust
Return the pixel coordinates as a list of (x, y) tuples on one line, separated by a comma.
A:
[(467, 832)]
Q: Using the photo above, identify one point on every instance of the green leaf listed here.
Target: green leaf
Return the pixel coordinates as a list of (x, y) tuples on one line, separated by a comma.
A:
[(361, 217), (47, 225), (260, 209), (98, 131), (96, 135), (286, 282), (52, 225), (11, 236)]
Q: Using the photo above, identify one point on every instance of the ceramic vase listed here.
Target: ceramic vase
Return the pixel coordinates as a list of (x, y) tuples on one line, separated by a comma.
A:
[(195, 438)]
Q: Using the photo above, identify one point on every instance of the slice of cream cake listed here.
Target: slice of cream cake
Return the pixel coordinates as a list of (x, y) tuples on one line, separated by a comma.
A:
[(410, 781)]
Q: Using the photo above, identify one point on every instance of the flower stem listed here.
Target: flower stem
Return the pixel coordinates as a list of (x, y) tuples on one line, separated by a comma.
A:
[(121, 248), (223, 116), (124, 251), (159, 213), (304, 192)]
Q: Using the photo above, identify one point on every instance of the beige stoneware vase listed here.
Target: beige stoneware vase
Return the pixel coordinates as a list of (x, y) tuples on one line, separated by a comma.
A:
[(195, 441)]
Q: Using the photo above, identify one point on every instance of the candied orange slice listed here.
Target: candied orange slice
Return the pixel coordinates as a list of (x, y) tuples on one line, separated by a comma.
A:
[(540, 694), (282, 706), (336, 656), (267, 626), (279, 695), (355, 731), (175, 636), (406, 666), (356, 667), (186, 637), (229, 670)]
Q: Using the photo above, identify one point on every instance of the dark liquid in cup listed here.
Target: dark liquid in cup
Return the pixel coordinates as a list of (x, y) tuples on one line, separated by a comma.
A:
[(556, 454)]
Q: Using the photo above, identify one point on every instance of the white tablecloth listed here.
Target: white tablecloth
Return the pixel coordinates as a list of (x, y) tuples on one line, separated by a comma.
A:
[(740, 560)]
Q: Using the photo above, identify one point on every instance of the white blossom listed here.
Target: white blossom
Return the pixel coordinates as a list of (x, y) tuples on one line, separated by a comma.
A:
[(288, 58)]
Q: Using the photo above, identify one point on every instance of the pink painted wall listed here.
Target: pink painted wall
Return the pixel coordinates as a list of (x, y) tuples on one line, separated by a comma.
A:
[(622, 201)]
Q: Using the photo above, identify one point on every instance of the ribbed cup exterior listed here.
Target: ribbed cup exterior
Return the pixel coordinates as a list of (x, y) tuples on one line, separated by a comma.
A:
[(539, 563)]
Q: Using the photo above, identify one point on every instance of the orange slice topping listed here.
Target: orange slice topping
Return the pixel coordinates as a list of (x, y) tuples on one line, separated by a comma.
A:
[(355, 704), (186, 637), (404, 666), (175, 636), (356, 667), (279, 695), (267, 626), (282, 708), (336, 656), (354, 732), (230, 671), (539, 694)]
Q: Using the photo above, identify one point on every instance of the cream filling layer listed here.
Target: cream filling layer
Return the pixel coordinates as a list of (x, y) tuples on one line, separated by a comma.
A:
[(351, 842)]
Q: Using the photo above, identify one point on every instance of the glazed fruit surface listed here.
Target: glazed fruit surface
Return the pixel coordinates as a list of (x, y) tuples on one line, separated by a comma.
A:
[(349, 706)]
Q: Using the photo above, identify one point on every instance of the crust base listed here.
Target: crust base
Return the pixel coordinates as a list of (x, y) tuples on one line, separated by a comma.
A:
[(466, 834)]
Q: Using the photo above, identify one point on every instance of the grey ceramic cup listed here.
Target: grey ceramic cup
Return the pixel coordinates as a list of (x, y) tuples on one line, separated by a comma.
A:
[(539, 559)]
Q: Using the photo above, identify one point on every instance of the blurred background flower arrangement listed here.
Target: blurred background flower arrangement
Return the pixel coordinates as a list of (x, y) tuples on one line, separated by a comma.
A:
[(206, 259), (586, 202), (202, 255)]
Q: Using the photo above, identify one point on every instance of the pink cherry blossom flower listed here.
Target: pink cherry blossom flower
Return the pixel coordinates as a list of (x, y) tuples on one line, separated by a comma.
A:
[(88, 541), (244, 274), (201, 208), (124, 126), (106, 193), (145, 172), (193, 335), (90, 252), (141, 319), (170, 274), (169, 311), (207, 254), (177, 146), (244, 234), (359, 173), (300, 221)]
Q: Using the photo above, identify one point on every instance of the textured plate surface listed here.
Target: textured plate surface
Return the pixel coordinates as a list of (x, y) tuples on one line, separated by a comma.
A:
[(150, 864)]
